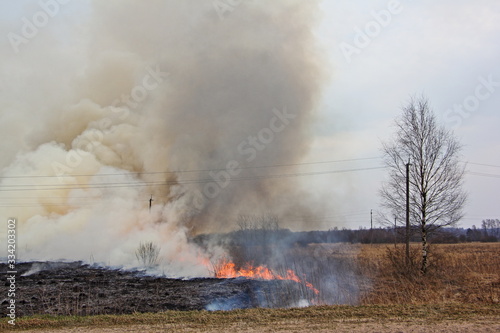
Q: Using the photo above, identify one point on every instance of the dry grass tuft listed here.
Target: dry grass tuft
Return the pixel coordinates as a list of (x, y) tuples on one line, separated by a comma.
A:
[(459, 273)]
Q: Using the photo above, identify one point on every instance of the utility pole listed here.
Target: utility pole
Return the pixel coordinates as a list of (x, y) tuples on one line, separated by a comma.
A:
[(150, 202), (371, 218), (395, 231), (408, 212), (371, 226)]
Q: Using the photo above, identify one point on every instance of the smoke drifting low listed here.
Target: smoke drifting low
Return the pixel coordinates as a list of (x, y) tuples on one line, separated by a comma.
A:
[(179, 101)]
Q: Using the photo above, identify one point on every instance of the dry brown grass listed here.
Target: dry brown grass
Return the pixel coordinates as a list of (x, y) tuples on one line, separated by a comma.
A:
[(459, 273), (398, 318), (460, 293), (377, 274)]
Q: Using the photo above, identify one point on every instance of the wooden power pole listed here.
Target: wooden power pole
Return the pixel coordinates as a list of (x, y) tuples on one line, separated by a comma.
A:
[(395, 231), (408, 212), (371, 226)]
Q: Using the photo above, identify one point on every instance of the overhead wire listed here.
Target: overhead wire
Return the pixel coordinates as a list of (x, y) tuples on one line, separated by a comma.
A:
[(483, 174), (191, 171), (20, 201), (49, 187), (110, 185)]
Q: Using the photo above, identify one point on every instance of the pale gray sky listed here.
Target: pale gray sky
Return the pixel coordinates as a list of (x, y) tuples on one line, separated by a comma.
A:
[(439, 48)]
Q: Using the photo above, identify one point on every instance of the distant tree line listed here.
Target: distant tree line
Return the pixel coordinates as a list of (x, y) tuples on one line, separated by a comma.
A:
[(272, 235)]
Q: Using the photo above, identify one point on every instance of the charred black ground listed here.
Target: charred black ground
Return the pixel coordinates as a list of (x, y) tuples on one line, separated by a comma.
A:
[(60, 288)]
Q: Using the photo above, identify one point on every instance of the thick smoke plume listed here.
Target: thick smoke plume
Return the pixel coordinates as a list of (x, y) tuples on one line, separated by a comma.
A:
[(114, 103)]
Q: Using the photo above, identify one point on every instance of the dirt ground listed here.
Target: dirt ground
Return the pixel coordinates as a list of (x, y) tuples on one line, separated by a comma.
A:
[(393, 325), (374, 318)]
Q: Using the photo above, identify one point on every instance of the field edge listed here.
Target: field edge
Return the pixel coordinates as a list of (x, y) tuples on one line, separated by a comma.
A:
[(316, 315)]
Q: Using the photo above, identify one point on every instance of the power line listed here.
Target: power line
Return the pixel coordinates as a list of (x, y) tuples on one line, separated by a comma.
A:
[(194, 170), (86, 186), (50, 187), (482, 174), (176, 172), (44, 205), (488, 165)]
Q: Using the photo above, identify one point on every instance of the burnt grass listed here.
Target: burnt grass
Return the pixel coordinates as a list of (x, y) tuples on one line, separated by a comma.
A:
[(75, 288)]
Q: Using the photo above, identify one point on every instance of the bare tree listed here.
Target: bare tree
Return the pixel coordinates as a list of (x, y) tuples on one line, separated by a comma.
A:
[(437, 197), (147, 254), (491, 227)]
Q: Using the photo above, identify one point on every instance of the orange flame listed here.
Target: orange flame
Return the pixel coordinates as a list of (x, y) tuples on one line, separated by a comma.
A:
[(227, 269)]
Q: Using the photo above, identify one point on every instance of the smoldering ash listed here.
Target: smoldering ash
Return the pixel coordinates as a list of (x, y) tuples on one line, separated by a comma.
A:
[(133, 123)]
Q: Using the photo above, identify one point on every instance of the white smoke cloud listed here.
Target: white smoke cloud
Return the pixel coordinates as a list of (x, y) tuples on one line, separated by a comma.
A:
[(126, 100)]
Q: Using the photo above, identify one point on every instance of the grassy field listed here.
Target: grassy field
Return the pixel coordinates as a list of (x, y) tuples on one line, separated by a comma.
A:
[(460, 293), (313, 319), (467, 273)]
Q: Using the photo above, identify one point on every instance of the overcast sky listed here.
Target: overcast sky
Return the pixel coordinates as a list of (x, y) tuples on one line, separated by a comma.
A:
[(442, 49), (379, 54)]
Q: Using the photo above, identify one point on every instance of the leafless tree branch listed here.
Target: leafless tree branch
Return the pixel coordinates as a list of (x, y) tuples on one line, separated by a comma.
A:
[(437, 197)]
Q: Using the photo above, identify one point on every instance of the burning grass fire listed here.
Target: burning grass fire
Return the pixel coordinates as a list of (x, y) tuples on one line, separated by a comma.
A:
[(227, 269), (263, 251)]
